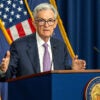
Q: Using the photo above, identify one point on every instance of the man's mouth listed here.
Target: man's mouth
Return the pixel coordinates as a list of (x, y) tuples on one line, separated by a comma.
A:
[(45, 29)]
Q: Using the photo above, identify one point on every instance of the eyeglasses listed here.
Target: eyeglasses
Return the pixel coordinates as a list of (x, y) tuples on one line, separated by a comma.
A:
[(42, 22)]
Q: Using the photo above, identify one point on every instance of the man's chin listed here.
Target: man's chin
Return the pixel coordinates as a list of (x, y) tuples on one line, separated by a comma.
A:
[(47, 34)]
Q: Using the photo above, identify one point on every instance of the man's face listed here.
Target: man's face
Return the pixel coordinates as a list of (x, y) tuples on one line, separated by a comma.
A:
[(45, 23)]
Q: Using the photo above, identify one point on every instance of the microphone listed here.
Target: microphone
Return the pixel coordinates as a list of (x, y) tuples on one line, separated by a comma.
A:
[(96, 49)]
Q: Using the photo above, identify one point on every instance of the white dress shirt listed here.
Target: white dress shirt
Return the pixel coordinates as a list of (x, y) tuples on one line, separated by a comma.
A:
[(40, 43)]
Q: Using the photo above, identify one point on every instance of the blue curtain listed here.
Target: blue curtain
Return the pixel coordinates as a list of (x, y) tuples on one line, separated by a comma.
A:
[(81, 19)]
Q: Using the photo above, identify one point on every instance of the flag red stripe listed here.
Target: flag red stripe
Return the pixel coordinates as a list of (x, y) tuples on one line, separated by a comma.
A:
[(20, 30), (31, 25)]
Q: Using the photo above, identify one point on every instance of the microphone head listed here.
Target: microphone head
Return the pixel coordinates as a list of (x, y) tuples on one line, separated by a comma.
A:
[(96, 49)]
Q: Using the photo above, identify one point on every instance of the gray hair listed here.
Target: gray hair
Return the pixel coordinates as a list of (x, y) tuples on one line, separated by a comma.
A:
[(44, 6)]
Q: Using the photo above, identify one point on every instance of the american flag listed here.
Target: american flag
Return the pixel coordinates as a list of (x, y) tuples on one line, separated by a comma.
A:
[(16, 18)]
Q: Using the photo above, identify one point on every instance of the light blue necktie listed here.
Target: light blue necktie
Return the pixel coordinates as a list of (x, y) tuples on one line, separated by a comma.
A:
[(46, 58)]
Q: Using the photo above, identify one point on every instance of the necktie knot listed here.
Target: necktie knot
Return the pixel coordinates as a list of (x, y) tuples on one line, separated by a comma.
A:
[(45, 45)]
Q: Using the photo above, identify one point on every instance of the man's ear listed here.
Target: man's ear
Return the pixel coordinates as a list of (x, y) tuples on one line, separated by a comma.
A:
[(56, 22)]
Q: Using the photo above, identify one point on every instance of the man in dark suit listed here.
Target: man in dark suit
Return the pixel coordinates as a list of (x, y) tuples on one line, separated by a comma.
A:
[(26, 54)]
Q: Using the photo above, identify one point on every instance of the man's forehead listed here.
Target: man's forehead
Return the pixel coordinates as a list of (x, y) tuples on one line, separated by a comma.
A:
[(46, 13)]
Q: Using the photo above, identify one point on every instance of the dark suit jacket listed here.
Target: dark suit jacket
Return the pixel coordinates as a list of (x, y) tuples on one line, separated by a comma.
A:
[(25, 60)]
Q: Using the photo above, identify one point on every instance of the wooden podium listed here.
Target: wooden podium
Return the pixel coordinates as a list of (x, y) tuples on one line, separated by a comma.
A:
[(54, 85)]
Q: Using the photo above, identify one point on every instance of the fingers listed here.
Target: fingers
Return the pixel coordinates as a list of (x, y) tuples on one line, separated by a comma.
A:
[(8, 54), (5, 62), (78, 64), (82, 64), (76, 57)]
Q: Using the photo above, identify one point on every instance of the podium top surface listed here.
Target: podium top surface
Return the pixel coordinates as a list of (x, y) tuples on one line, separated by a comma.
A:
[(53, 72), (74, 71)]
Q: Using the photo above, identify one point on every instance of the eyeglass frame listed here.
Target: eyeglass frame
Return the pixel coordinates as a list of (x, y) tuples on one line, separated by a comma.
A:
[(45, 21)]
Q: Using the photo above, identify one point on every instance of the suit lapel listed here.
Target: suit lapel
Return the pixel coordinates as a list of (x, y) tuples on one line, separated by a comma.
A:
[(32, 52), (54, 53)]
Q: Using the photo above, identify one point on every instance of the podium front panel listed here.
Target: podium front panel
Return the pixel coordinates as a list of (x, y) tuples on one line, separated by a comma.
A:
[(51, 86)]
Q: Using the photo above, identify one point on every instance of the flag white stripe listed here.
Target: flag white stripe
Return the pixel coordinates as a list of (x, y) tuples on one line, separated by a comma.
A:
[(26, 27), (14, 32)]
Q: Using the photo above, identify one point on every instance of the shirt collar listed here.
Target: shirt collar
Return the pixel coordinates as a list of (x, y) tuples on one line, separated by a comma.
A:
[(40, 41)]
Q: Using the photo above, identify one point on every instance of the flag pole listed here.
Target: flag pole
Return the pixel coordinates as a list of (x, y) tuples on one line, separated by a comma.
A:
[(5, 32), (29, 11)]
